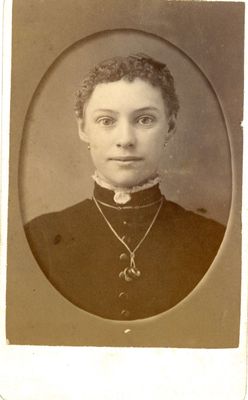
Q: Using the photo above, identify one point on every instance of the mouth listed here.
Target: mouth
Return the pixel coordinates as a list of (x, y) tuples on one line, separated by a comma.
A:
[(125, 159)]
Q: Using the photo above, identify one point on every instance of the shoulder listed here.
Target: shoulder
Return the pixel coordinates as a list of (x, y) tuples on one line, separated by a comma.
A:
[(178, 213), (190, 225), (45, 232), (71, 212), (67, 219)]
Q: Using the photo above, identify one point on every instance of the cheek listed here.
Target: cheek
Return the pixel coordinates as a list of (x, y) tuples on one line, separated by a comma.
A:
[(155, 151), (96, 145), (98, 153), (155, 157), (99, 141), (155, 143)]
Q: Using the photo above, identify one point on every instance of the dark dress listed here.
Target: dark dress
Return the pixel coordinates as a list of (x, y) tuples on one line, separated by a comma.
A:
[(82, 258)]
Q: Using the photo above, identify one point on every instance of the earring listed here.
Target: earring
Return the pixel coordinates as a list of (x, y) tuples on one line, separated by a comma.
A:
[(88, 147)]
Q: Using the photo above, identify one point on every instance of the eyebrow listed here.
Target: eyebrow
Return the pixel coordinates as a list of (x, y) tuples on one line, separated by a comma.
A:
[(147, 109), (135, 111), (104, 110)]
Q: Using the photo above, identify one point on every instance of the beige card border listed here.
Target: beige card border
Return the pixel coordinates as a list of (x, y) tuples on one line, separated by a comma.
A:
[(33, 373)]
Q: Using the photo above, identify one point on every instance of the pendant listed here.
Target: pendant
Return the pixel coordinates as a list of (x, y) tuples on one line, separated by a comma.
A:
[(129, 274)]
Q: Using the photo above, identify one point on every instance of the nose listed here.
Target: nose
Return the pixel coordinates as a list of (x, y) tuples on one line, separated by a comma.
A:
[(125, 135)]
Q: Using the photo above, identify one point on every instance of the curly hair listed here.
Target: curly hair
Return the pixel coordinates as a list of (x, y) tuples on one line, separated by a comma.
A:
[(129, 68)]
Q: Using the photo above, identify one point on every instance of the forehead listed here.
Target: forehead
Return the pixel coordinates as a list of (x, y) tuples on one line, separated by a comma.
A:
[(123, 95)]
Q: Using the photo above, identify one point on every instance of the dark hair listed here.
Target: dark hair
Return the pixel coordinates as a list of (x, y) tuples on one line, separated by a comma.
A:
[(128, 68)]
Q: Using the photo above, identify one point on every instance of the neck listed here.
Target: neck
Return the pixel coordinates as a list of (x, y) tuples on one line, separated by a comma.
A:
[(101, 181), (137, 195)]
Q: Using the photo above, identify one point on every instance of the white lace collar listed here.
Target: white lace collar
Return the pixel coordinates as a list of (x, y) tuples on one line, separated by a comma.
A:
[(123, 195)]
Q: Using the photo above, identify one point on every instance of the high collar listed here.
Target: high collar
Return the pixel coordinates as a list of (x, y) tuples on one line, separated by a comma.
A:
[(140, 198)]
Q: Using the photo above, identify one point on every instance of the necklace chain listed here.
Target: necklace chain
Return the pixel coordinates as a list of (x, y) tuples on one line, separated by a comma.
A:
[(130, 272), (127, 207)]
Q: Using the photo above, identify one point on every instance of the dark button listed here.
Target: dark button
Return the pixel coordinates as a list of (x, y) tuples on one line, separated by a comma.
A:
[(123, 295), (125, 313), (123, 256), (57, 239)]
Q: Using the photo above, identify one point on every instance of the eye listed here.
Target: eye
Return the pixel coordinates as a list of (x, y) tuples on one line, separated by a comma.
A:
[(106, 121), (146, 120)]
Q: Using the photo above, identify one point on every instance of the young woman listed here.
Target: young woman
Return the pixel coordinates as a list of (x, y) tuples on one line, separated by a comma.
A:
[(127, 253)]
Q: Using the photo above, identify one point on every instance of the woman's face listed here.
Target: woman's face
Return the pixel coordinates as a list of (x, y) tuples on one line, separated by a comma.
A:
[(126, 126)]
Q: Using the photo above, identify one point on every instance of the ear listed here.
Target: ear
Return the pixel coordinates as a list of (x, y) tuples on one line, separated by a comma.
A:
[(82, 134), (171, 128)]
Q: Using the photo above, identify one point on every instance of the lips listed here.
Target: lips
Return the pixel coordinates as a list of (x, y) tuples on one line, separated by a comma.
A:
[(125, 158)]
